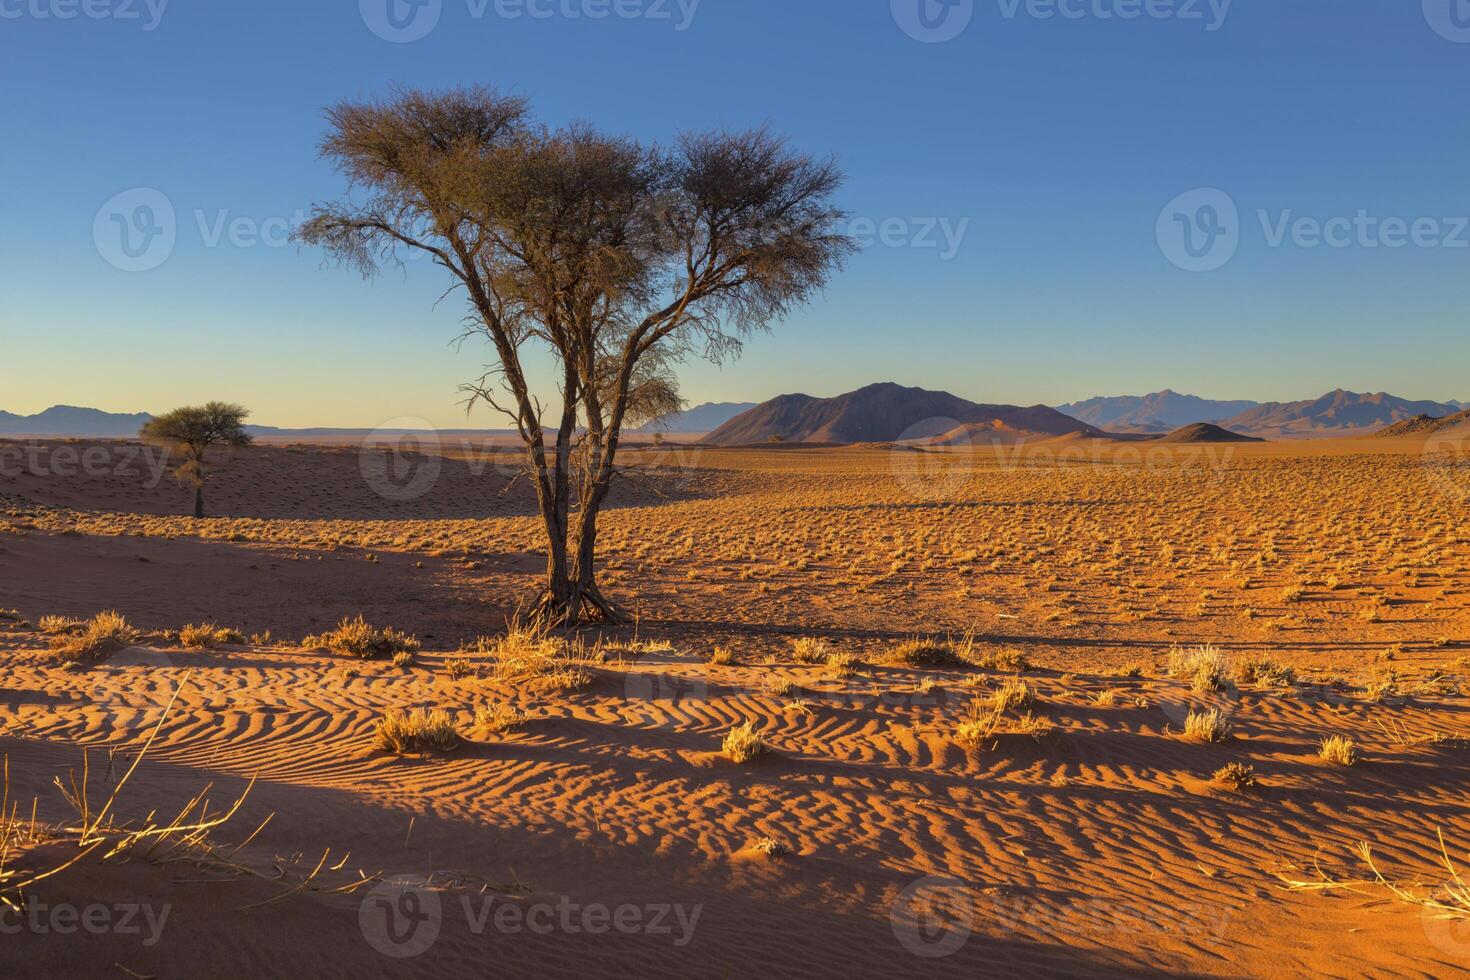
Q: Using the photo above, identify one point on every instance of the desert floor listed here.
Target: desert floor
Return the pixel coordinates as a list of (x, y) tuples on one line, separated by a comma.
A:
[(607, 834)]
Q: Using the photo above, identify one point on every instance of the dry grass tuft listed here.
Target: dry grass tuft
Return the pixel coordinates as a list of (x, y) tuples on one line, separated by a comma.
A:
[(1206, 668), (1236, 775), (355, 638), (1339, 750), (810, 650), (207, 635), (925, 653), (104, 635), (1013, 695), (498, 719), (1207, 726), (416, 732), (771, 848), (1263, 670), (743, 743)]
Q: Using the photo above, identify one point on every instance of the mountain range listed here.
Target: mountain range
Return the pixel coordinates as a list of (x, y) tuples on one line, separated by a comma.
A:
[(1163, 411), (889, 412)]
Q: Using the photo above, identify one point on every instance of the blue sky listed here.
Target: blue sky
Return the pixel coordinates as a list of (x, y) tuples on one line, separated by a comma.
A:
[(1022, 169)]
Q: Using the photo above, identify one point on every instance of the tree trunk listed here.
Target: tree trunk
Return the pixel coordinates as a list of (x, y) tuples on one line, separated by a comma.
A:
[(199, 501)]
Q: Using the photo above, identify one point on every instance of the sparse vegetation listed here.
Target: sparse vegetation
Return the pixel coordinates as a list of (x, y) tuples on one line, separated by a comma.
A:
[(743, 743), (498, 719), (1237, 775), (416, 731), (1205, 667), (1207, 726), (207, 635), (101, 637), (1339, 750), (355, 638)]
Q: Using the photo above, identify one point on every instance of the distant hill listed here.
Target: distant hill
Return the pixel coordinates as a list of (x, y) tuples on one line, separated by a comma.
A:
[(889, 412), (1337, 413), (1426, 425), (1163, 411), (69, 420), (701, 418), (1205, 432)]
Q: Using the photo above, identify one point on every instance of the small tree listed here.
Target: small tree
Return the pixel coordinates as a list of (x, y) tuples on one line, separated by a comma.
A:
[(618, 258), (190, 432)]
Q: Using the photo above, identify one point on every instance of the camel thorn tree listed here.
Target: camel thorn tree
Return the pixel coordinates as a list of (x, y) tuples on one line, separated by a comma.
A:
[(191, 432), (618, 258)]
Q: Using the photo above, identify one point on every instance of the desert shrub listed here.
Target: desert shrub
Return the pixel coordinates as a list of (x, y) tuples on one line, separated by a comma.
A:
[(923, 653), (1012, 695), (782, 687), (810, 650), (979, 725), (1008, 661), (57, 625), (1205, 667), (1207, 726), (1263, 670), (458, 667), (497, 719), (841, 665), (771, 847), (1339, 750), (1236, 775), (403, 659), (207, 635), (355, 638), (416, 732), (743, 743), (104, 635), (721, 656)]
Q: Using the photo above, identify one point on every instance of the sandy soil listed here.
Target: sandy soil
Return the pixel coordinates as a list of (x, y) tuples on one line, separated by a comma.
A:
[(608, 835)]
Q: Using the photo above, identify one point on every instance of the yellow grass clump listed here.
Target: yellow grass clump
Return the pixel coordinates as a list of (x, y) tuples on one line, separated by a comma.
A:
[(1206, 668), (1207, 726), (101, 637), (416, 732), (743, 743), (207, 635), (1339, 750), (355, 638)]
